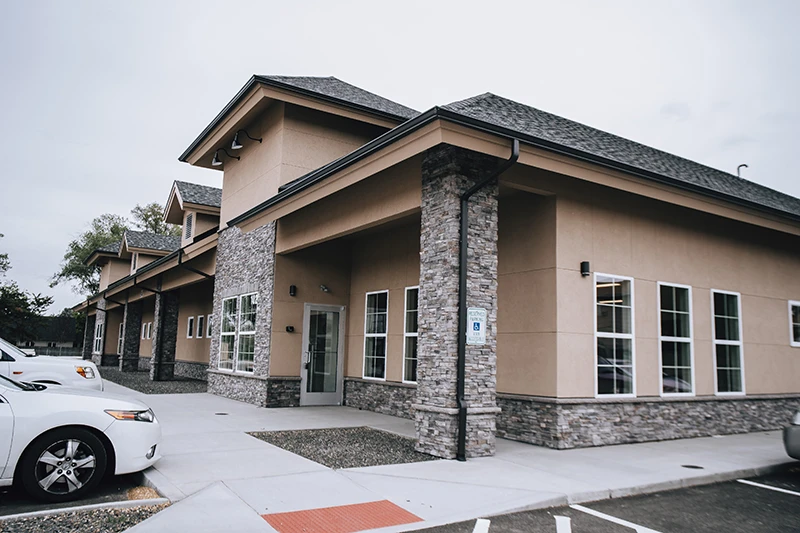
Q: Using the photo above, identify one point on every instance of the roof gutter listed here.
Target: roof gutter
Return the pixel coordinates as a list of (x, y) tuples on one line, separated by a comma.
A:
[(463, 243)]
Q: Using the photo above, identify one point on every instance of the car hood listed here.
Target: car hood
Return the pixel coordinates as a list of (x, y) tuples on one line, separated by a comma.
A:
[(113, 401), (50, 360)]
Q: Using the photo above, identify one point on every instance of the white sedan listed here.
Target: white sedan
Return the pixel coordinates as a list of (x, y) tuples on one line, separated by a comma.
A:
[(66, 371), (58, 443)]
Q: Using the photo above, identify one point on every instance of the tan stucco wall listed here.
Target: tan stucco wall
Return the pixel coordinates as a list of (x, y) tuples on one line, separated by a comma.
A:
[(526, 296), (113, 320), (113, 270), (194, 300), (295, 141), (626, 235), (148, 315), (385, 260), (327, 264)]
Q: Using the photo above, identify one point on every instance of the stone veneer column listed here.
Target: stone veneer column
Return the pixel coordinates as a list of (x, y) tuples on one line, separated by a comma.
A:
[(88, 336), (131, 334), (245, 264), (446, 173), (99, 318), (165, 336)]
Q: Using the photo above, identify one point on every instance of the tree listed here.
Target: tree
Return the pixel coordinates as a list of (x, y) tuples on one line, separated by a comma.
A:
[(150, 218), (103, 230), (20, 311)]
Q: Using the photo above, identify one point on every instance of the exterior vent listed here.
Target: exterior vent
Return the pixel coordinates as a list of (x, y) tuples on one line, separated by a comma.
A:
[(187, 226)]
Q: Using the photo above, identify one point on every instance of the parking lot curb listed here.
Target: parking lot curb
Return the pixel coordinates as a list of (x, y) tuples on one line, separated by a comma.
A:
[(110, 505), (157, 481)]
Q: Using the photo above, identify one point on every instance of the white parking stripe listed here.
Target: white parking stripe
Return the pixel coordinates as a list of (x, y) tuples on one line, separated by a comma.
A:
[(481, 526), (563, 524), (776, 489), (609, 518)]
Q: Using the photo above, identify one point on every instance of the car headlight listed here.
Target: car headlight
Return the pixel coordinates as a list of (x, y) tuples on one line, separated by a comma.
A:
[(85, 371), (140, 416), (796, 419)]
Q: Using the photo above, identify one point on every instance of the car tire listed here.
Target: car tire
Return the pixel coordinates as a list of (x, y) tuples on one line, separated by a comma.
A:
[(46, 474)]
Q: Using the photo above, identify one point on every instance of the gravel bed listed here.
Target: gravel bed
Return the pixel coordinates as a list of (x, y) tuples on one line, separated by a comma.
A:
[(347, 447), (94, 521), (140, 381)]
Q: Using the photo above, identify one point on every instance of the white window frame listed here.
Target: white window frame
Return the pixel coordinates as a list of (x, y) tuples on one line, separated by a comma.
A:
[(190, 328), (236, 334), (715, 342), (407, 335), (375, 335), (201, 325), (120, 338), (209, 321), (631, 336), (134, 261), (149, 330), (144, 330), (97, 342), (792, 342), (662, 338)]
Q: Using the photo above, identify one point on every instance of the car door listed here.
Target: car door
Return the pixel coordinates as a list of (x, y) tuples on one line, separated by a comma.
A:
[(6, 432)]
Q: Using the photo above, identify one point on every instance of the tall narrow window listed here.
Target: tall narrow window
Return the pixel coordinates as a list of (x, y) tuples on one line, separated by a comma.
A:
[(375, 327), (144, 330), (97, 347), (119, 339), (794, 324), (247, 332), (614, 335), (201, 324), (210, 320), (190, 328), (134, 260), (675, 338), (149, 330), (227, 343), (410, 335), (728, 342)]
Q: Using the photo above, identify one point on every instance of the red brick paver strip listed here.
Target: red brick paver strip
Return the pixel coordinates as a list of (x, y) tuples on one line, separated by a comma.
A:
[(342, 519)]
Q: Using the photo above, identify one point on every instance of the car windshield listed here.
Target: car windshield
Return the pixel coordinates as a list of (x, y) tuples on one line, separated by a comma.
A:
[(12, 350), (11, 384)]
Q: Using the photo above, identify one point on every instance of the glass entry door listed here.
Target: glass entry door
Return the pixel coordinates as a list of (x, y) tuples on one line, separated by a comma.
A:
[(322, 359)]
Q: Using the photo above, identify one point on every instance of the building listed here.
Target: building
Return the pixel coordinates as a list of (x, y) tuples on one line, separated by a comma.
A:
[(613, 292), (53, 335)]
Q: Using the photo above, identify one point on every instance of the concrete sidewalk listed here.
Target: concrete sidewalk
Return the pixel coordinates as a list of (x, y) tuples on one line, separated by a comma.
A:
[(222, 479)]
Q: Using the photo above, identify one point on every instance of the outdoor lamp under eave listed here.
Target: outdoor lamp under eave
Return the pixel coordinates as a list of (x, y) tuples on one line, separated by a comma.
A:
[(216, 162), (236, 145)]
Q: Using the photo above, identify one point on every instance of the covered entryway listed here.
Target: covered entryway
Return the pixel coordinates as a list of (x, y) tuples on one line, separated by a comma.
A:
[(322, 370)]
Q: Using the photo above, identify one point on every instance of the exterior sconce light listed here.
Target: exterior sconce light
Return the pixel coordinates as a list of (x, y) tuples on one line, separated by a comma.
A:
[(236, 145), (289, 329), (585, 271), (218, 162), (292, 290), (324, 288)]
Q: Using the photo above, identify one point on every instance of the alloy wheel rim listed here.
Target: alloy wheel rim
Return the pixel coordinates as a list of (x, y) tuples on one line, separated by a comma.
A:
[(65, 466)]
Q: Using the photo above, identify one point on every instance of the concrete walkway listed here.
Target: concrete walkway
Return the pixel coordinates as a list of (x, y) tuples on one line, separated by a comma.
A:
[(221, 479)]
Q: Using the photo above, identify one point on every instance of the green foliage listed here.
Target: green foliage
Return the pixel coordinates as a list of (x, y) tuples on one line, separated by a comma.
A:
[(5, 263), (103, 230), (150, 218)]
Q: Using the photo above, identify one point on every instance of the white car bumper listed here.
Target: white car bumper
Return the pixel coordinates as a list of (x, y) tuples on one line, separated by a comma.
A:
[(133, 441)]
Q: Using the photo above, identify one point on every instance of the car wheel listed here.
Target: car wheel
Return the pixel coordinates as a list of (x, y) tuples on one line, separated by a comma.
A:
[(63, 465)]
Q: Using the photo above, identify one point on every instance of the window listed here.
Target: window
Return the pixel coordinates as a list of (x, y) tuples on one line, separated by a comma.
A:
[(187, 227), (149, 330), (375, 324), (119, 340), (614, 335), (410, 334), (134, 260), (237, 334), (201, 323), (209, 321), (97, 347), (190, 328), (794, 324), (144, 330), (675, 339), (727, 329)]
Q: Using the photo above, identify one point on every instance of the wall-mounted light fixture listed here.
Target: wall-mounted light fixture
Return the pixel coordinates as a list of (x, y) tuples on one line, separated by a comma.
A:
[(218, 162), (289, 329), (585, 271), (236, 145), (324, 288), (292, 290)]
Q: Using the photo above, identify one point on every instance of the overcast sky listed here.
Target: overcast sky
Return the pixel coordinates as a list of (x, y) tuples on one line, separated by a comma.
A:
[(100, 98)]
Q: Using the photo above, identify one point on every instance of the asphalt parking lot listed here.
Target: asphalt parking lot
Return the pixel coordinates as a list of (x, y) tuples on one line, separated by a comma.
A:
[(757, 505)]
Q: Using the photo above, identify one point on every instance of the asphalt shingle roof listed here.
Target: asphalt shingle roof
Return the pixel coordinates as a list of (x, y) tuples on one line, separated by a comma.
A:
[(112, 248), (152, 241), (336, 88), (527, 120), (194, 193)]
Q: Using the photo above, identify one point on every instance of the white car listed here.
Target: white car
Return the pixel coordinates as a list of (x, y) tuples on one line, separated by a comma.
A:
[(58, 443), (66, 371)]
